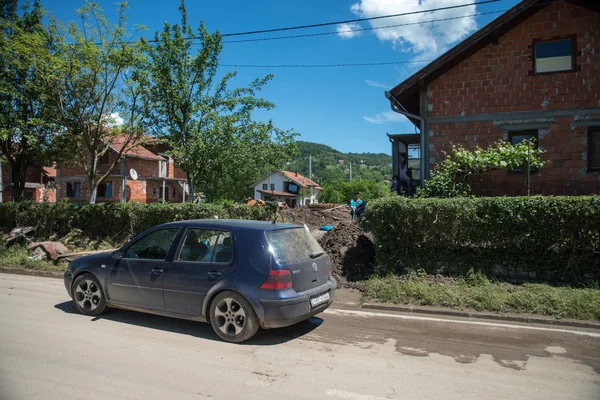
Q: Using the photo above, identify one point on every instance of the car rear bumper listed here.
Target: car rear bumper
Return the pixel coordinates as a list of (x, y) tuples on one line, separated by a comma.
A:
[(285, 312), (68, 278)]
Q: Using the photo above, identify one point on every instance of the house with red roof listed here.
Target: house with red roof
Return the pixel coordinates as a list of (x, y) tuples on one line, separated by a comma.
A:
[(144, 175), (286, 186)]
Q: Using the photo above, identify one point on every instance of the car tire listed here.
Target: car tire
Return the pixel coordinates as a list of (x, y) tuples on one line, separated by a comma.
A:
[(232, 317), (88, 295)]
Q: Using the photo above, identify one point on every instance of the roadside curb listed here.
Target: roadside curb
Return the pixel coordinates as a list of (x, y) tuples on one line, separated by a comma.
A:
[(31, 272), (482, 315)]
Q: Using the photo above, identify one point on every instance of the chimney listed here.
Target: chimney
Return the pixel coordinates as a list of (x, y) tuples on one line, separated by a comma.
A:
[(296, 174)]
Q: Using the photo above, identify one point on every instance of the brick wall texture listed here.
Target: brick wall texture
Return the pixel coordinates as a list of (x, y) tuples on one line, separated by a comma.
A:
[(495, 80), (147, 189)]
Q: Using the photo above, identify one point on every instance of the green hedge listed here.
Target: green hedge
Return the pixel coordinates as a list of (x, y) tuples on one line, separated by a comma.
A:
[(557, 238), (111, 221)]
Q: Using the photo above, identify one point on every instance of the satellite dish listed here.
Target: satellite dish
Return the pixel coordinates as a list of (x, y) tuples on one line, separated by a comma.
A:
[(133, 173)]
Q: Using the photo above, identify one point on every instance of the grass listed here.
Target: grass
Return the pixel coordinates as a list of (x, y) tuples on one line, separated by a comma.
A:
[(477, 292), (17, 256)]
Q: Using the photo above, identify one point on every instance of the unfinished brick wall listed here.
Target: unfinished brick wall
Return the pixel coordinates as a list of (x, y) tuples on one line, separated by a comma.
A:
[(495, 80)]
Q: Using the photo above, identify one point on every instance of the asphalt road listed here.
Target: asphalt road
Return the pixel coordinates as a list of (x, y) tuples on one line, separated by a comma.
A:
[(48, 350)]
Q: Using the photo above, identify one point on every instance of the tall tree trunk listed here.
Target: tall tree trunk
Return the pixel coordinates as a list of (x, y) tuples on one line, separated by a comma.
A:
[(191, 197), (92, 191), (19, 173)]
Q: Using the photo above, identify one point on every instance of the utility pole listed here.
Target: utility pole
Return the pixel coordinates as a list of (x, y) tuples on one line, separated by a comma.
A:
[(350, 170), (310, 166)]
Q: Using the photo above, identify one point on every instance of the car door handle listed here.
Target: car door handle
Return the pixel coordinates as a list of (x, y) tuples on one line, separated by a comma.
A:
[(214, 274), (157, 271)]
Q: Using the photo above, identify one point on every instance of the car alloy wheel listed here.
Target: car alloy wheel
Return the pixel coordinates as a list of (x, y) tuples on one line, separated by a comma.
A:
[(232, 317)]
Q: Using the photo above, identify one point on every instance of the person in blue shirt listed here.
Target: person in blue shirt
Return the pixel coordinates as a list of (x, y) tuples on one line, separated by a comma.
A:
[(357, 207)]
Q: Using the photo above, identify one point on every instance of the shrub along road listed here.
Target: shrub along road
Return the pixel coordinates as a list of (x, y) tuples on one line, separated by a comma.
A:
[(50, 350)]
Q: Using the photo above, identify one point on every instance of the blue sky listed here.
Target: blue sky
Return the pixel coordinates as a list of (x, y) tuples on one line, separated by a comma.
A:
[(341, 107)]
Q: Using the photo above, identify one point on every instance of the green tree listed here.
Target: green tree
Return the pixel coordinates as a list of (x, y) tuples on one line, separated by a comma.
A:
[(97, 88), (26, 71), (451, 178), (342, 192), (209, 126)]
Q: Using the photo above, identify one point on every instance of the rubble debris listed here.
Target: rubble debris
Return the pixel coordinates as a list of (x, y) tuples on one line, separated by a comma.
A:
[(73, 256), (20, 232), (315, 217), (38, 254), (52, 250), (351, 253)]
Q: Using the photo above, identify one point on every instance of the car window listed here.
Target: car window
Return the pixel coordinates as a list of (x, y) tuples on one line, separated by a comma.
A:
[(292, 245), (223, 252), (153, 246), (198, 245)]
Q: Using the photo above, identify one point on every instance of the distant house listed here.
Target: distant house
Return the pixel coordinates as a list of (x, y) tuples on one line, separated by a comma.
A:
[(289, 187), (144, 175), (39, 184), (534, 72)]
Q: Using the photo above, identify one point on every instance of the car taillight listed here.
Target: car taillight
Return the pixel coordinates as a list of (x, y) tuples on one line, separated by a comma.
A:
[(278, 280), (330, 272)]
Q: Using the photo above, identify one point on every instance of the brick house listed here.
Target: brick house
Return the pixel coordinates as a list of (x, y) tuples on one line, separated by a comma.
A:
[(39, 184), (532, 72), (289, 187), (144, 171)]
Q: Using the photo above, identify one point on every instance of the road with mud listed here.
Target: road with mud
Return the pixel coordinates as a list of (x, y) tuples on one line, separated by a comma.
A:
[(47, 350)]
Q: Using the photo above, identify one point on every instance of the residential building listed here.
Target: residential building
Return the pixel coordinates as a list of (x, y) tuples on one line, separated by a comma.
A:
[(144, 175), (532, 72), (289, 187), (39, 184)]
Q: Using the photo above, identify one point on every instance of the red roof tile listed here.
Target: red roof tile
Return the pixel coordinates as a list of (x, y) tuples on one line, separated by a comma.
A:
[(300, 179), (137, 150), (50, 171)]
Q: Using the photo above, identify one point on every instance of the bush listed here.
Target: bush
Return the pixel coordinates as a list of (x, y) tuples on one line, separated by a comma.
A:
[(111, 221), (557, 238)]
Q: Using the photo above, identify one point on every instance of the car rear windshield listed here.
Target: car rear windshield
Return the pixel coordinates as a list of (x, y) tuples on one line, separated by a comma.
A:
[(292, 245)]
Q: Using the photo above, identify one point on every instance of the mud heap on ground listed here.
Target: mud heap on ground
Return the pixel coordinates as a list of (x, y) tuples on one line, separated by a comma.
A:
[(351, 252), (315, 217)]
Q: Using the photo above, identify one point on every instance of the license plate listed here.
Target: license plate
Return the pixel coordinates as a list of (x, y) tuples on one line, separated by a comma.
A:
[(322, 298)]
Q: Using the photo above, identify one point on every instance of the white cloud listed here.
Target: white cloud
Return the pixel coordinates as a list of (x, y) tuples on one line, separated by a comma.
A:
[(430, 39), (113, 120), (346, 31), (376, 84), (385, 118)]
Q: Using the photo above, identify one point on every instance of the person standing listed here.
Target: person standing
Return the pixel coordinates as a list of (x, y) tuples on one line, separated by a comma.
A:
[(357, 207)]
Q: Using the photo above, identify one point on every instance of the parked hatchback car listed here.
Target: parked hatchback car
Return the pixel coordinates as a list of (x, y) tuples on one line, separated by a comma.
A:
[(238, 275)]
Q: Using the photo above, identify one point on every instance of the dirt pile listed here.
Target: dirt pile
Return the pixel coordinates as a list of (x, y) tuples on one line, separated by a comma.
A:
[(314, 217), (351, 252)]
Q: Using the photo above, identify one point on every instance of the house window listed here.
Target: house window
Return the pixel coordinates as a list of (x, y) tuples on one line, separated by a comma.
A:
[(554, 55), (594, 148), (105, 158), (265, 186), (74, 190), (518, 137), (272, 186), (105, 190)]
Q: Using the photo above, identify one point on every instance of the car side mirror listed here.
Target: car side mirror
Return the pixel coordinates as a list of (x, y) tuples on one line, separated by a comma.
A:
[(117, 254)]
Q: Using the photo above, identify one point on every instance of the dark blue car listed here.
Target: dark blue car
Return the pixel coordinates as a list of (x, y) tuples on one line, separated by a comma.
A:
[(238, 275)]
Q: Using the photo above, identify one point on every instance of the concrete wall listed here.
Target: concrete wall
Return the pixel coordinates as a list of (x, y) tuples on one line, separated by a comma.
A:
[(491, 94), (276, 178)]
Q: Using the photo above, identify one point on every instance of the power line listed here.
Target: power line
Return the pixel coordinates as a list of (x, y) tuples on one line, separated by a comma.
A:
[(331, 23), (323, 65), (362, 29), (357, 19)]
